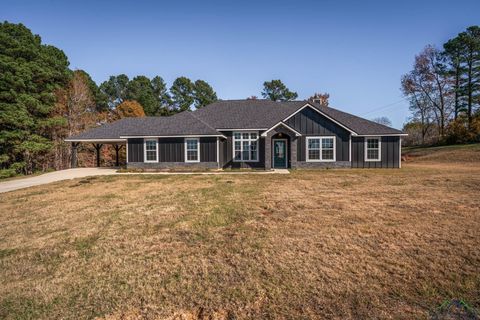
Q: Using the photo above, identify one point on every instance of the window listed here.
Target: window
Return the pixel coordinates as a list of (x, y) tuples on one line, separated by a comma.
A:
[(320, 149), (151, 147), (192, 150), (372, 149), (245, 146)]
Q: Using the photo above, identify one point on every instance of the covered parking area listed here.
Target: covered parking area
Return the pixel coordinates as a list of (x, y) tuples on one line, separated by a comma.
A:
[(117, 144)]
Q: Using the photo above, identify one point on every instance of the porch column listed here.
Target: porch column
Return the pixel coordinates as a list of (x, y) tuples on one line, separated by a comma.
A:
[(74, 160), (117, 149), (98, 147), (268, 151)]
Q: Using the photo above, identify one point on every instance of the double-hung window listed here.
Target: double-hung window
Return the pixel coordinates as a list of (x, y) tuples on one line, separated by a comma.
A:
[(320, 149), (373, 149), (245, 146), (192, 150), (151, 150)]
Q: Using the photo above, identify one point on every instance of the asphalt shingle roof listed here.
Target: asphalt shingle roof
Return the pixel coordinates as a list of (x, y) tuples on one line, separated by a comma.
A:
[(227, 114)]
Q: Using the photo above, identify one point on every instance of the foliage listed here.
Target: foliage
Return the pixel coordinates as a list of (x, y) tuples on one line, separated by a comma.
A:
[(203, 94), (320, 98), (114, 89), (444, 88), (182, 92), (130, 108), (7, 173), (276, 90), (30, 73)]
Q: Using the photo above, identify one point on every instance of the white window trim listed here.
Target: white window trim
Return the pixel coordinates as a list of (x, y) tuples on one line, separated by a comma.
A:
[(321, 155), (241, 145), (198, 149), (379, 149), (145, 150)]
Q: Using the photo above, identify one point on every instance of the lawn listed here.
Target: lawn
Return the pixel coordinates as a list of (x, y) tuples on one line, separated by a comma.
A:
[(313, 244)]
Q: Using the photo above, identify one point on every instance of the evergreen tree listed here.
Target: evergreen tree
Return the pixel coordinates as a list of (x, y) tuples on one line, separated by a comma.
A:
[(276, 90), (182, 94), (203, 94), (30, 72)]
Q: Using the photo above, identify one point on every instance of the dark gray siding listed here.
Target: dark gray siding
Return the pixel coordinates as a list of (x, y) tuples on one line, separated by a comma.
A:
[(135, 150), (310, 123), (208, 149), (171, 150), (390, 153), (227, 154)]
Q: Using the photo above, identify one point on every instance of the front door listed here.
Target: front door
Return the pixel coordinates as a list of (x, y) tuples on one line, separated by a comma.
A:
[(280, 153)]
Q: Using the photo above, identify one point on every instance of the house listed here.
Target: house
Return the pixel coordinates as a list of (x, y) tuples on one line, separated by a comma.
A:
[(260, 134)]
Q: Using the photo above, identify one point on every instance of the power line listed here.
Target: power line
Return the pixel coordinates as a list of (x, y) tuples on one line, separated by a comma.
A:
[(388, 106)]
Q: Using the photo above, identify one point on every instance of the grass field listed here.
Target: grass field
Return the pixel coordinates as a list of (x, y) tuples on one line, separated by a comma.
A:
[(312, 244)]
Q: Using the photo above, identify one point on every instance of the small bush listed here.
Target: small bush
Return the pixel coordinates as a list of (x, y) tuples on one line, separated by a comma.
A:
[(7, 173)]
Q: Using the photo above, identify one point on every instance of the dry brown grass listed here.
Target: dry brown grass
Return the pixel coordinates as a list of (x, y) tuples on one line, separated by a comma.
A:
[(313, 244)]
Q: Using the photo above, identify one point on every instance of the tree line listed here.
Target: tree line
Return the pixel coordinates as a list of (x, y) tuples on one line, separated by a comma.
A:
[(443, 90), (43, 101)]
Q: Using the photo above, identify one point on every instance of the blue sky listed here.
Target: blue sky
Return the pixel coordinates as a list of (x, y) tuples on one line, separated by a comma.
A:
[(355, 50)]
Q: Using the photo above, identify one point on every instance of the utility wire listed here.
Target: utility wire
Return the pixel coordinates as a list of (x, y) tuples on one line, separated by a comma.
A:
[(388, 106)]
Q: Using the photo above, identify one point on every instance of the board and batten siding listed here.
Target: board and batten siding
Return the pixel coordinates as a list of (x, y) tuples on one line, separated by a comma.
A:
[(311, 123), (135, 150), (208, 149), (390, 156), (173, 150)]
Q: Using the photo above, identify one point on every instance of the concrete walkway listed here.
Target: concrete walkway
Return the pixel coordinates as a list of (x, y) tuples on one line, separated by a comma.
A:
[(68, 174), (54, 176)]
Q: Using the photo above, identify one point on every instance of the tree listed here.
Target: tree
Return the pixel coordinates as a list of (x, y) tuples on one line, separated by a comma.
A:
[(320, 98), (203, 94), (129, 108), (470, 42), (181, 92), (140, 89), (453, 54), (252, 98), (114, 89), (428, 81), (383, 120), (161, 94), (30, 73), (276, 90)]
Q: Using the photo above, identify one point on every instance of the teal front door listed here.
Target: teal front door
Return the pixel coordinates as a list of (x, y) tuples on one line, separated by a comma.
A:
[(280, 153)]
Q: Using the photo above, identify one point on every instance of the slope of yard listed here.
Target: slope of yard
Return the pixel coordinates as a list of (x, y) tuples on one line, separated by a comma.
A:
[(445, 154), (312, 244)]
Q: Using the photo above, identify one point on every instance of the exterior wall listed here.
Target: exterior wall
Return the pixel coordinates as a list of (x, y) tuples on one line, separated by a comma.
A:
[(390, 157), (316, 165), (311, 123), (171, 150), (135, 150), (171, 153), (208, 149), (172, 165), (227, 154)]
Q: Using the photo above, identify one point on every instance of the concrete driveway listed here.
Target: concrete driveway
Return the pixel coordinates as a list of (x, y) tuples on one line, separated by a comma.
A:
[(53, 176), (68, 174)]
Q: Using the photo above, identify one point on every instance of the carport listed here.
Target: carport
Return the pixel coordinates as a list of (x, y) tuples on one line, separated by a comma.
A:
[(117, 144)]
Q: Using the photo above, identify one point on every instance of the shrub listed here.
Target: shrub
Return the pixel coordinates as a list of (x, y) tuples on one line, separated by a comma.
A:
[(7, 173)]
